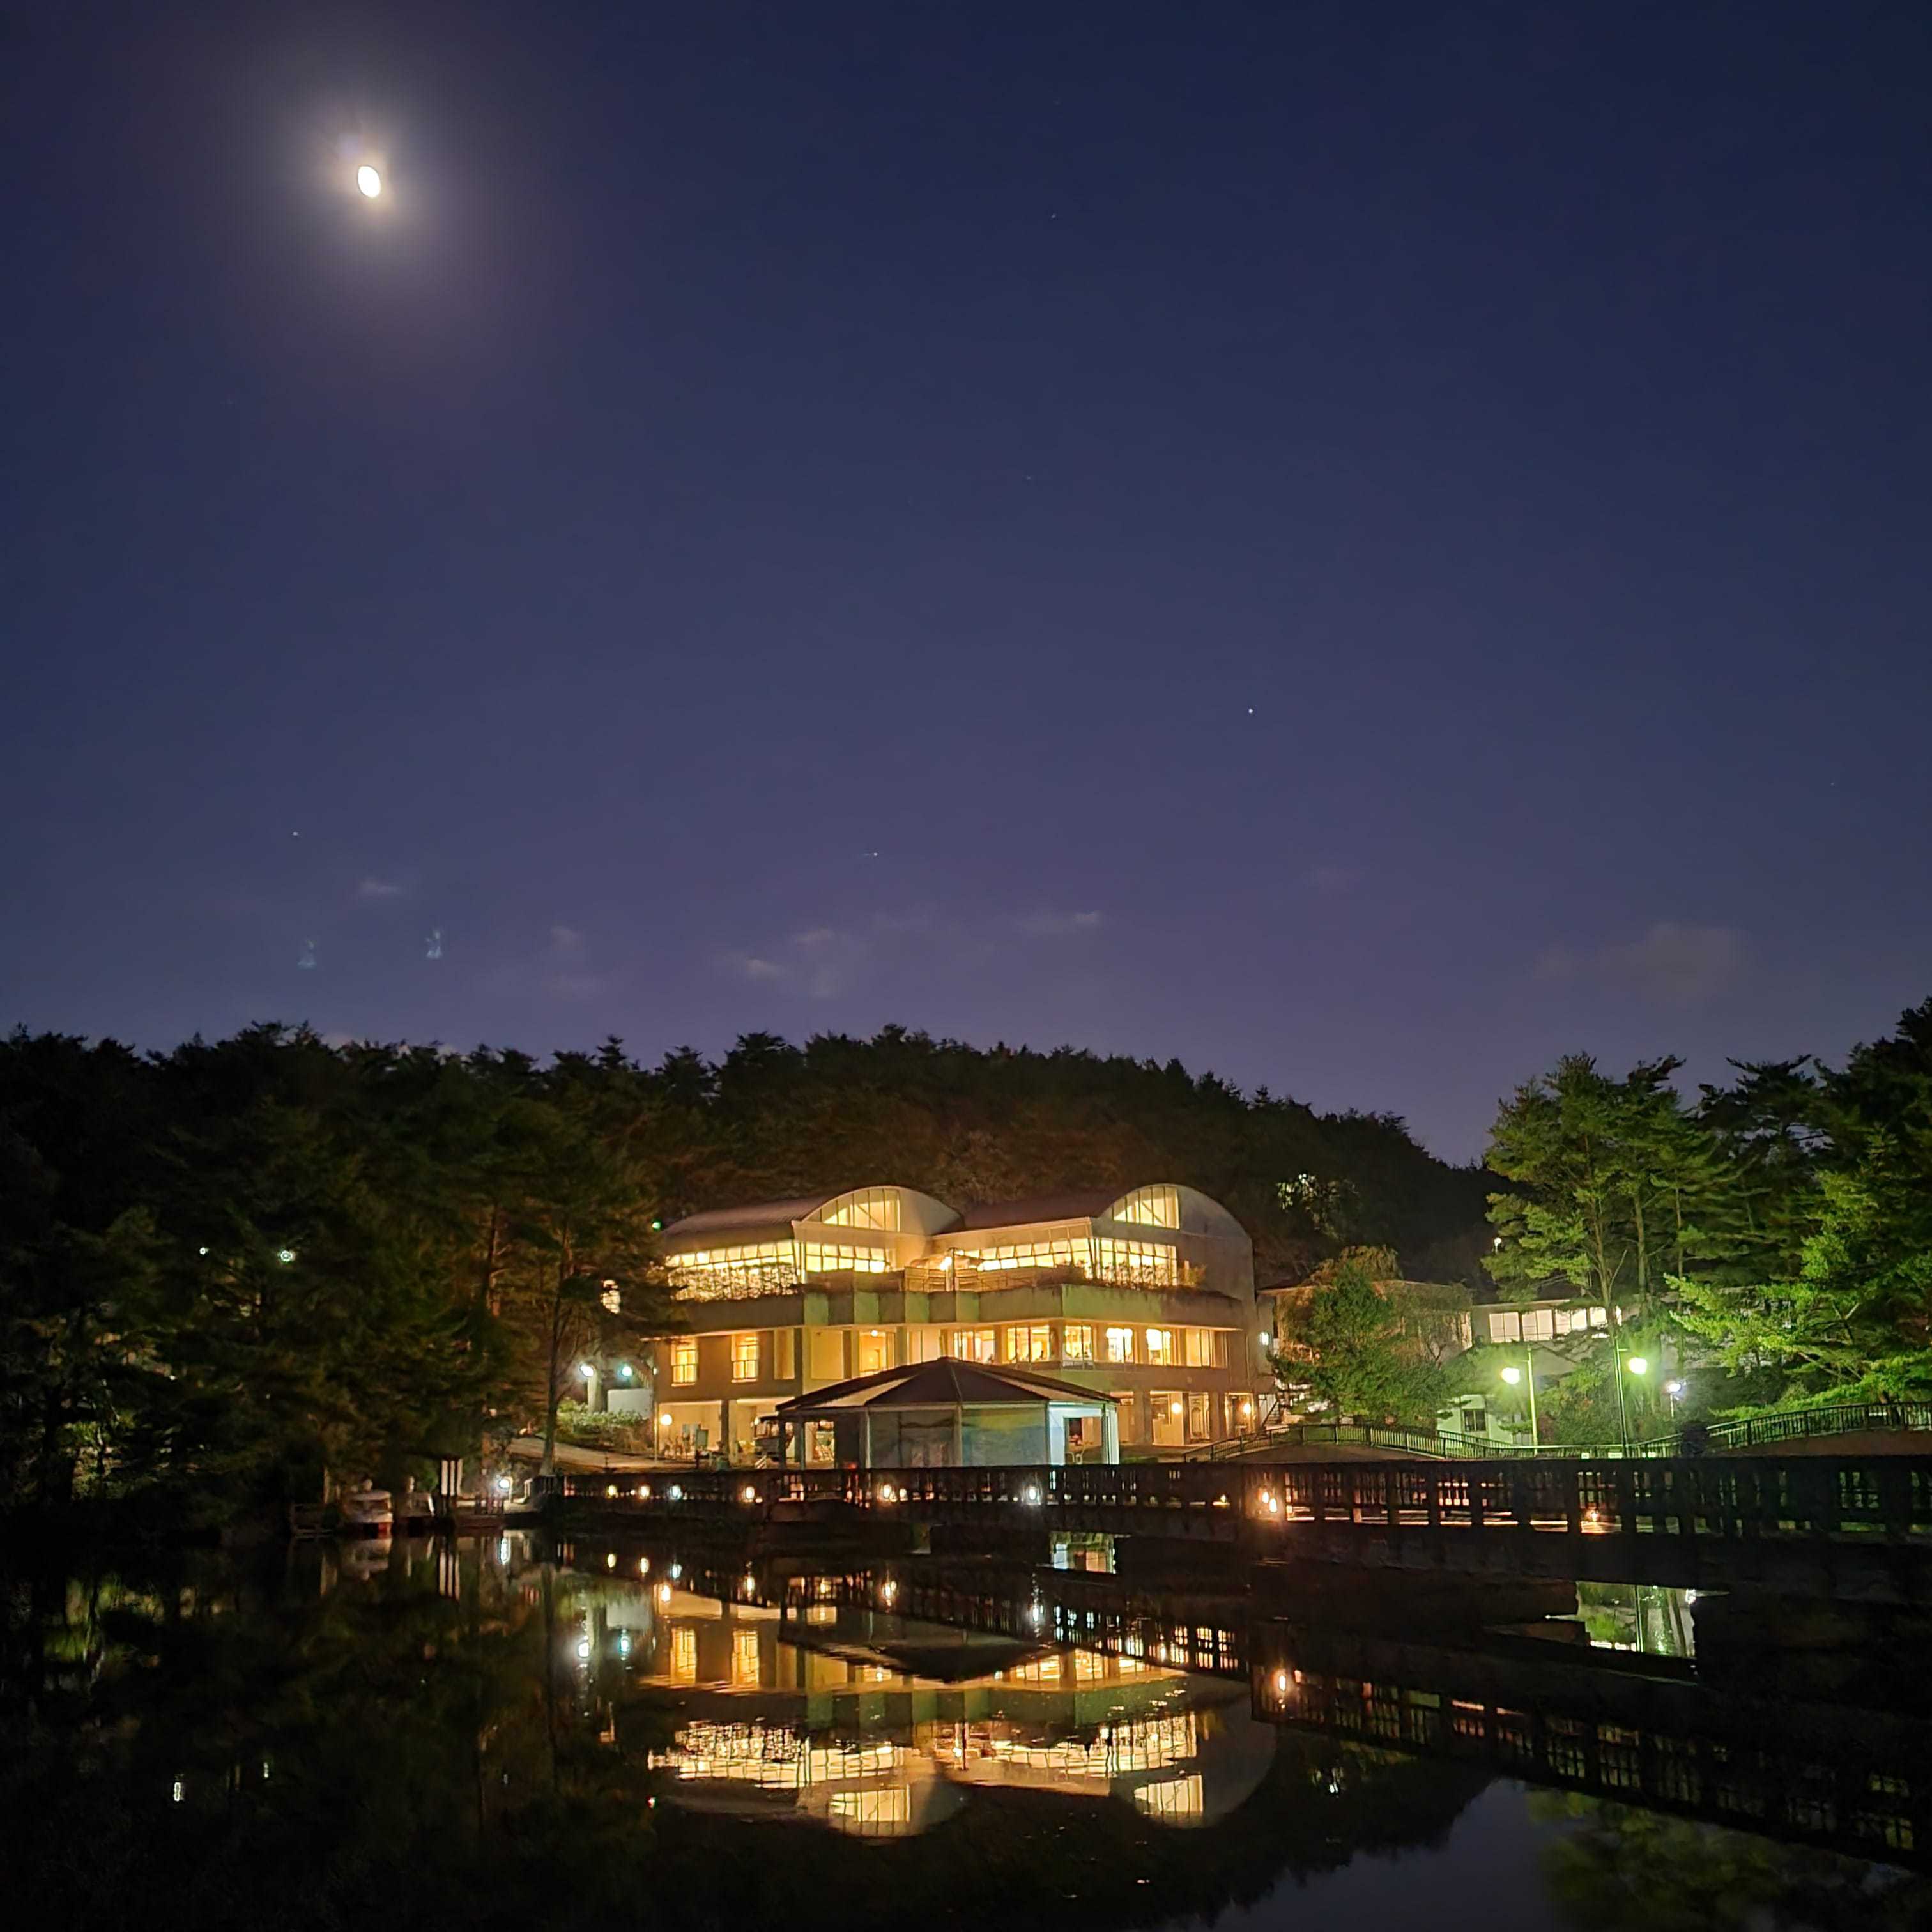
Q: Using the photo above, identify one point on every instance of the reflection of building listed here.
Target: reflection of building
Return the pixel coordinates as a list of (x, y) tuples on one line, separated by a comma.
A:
[(792, 1713), (1146, 1296)]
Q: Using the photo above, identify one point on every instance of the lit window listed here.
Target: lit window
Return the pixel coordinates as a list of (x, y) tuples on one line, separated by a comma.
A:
[(1159, 1346), (973, 1345), (1077, 1346), (745, 1356), (727, 1273), (1199, 1428), (1136, 1264), (1069, 1252), (744, 1659), (1198, 1348), (836, 1258), (1149, 1207), (1032, 1343), (922, 1344), (1175, 1798), (684, 1656), (1539, 1325), (1505, 1328), (684, 1363), (874, 1352), (868, 1207), (1119, 1345)]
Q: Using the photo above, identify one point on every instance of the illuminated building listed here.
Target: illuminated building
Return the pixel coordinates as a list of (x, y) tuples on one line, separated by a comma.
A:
[(1147, 1297)]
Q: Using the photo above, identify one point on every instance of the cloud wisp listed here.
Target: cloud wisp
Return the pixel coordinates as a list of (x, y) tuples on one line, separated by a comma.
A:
[(1672, 964)]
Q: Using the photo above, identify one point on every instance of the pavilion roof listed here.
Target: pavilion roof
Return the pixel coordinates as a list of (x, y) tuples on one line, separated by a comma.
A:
[(948, 1383)]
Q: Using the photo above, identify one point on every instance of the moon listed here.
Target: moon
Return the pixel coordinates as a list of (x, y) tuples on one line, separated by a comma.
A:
[(369, 181)]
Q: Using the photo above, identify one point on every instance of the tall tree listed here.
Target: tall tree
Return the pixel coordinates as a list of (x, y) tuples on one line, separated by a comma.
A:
[(1346, 1340)]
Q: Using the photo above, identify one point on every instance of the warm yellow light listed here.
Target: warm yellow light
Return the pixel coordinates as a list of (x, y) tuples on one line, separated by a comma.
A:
[(369, 181)]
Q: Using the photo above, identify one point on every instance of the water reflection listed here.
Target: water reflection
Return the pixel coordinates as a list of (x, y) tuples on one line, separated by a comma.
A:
[(477, 1734)]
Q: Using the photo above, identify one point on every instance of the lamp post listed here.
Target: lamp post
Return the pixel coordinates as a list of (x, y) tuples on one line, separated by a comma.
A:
[(1673, 1389), (1514, 1376)]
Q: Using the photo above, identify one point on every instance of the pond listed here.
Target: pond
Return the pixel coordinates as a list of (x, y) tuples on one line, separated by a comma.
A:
[(511, 1732)]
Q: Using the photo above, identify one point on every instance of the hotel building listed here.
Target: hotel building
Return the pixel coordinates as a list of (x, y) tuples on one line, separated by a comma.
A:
[(1147, 1297)]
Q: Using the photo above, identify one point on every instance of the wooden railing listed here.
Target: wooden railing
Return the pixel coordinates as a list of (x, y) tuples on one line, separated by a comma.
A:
[(1758, 1498)]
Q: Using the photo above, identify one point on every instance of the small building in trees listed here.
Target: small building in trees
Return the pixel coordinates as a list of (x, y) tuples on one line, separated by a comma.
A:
[(1146, 1298)]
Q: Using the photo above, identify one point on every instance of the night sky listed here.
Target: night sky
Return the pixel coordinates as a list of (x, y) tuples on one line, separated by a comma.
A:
[(1364, 548)]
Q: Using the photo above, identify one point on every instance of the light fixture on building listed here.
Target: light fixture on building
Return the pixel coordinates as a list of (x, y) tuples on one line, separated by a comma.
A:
[(623, 1371)]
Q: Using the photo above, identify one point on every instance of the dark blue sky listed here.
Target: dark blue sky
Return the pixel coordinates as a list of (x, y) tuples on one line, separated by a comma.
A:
[(1364, 548)]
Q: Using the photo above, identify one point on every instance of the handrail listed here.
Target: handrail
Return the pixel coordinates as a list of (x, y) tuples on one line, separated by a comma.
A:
[(1724, 1498)]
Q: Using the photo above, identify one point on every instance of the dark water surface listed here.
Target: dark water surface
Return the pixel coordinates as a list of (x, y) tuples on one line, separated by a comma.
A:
[(511, 1733)]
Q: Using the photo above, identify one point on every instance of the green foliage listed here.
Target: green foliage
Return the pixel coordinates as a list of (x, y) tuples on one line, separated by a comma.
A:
[(235, 1270), (1615, 1186), (1349, 1344), (1785, 1225)]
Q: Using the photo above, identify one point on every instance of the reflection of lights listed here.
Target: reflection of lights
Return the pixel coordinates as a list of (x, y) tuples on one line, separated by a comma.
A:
[(675, 1493), (643, 1566), (610, 1489), (664, 1593), (623, 1643), (610, 1561), (747, 1494), (1031, 1495), (503, 1485), (503, 1549), (583, 1646), (886, 1493), (1281, 1684), (677, 1571), (1036, 1614), (180, 1792), (643, 1492), (1269, 1505)]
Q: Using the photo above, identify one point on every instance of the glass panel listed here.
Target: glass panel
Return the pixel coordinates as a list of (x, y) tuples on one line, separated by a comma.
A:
[(1149, 1208), (1160, 1345), (1169, 1417), (684, 1363), (1079, 1345), (745, 1356), (1119, 1345)]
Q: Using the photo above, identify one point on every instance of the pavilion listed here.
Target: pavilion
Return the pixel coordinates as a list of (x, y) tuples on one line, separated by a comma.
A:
[(947, 1413)]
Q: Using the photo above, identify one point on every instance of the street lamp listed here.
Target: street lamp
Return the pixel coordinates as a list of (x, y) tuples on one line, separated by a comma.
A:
[(1514, 1376), (1673, 1388)]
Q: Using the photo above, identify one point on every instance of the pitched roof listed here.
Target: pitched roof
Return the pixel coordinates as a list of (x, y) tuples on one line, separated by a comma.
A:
[(1039, 1207), (947, 1383)]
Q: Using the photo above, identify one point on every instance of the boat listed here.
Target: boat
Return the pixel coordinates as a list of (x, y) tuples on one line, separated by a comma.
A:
[(368, 1512)]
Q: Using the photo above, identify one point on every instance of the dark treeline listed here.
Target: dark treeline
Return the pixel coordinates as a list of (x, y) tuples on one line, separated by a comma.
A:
[(230, 1270)]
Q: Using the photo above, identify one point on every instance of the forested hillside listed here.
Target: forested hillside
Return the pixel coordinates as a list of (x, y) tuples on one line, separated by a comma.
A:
[(227, 1268)]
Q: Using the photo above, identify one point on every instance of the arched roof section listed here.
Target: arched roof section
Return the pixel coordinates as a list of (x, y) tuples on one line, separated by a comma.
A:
[(886, 1209), (1169, 1205)]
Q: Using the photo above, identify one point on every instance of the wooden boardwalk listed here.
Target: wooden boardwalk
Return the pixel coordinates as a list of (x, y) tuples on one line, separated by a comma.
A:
[(1858, 1528)]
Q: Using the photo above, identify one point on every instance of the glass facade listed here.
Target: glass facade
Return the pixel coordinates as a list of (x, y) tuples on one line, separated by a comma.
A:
[(1060, 1251), (1139, 1264), (973, 1345), (1077, 1346), (1033, 1342), (1149, 1208), (836, 1258), (868, 1207)]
